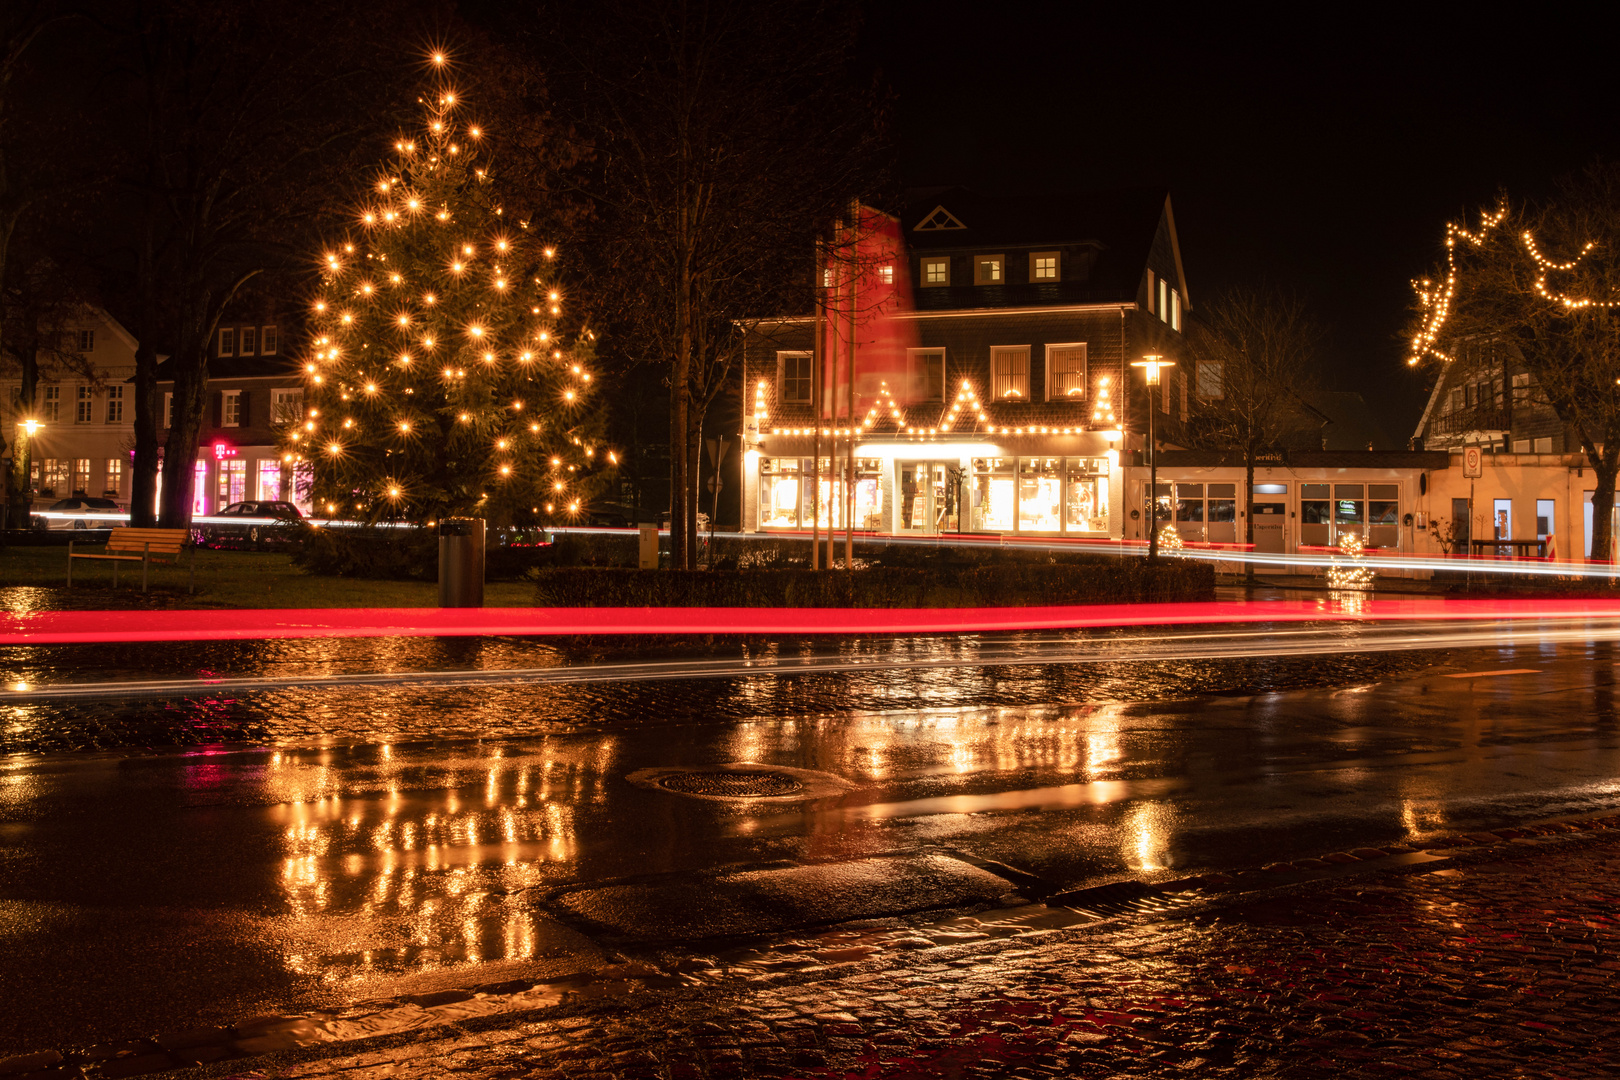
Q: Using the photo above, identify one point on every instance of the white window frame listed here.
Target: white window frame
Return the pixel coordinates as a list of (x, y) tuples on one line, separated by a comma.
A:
[(1085, 373), (227, 341), (1057, 265), (782, 358), (997, 388), (50, 405), (269, 340), (115, 404), (84, 404), (230, 408), (86, 341), (81, 470), (168, 410), (112, 480), (929, 262), (1164, 300), (915, 358), (286, 405), (886, 274), (1175, 310), (241, 340), (981, 277)]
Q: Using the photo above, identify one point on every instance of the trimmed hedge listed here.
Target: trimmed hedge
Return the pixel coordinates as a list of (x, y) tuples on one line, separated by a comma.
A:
[(1005, 585)]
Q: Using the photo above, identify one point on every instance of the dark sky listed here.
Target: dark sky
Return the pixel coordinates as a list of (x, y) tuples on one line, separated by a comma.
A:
[(1316, 148)]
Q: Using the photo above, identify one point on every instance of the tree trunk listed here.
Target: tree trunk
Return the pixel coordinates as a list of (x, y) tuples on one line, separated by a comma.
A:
[(144, 471), (180, 451), (1604, 467), (18, 498), (1248, 512)]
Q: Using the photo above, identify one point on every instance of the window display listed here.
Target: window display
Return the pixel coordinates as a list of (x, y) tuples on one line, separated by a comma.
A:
[(779, 493), (1085, 498), (991, 496), (1040, 494)]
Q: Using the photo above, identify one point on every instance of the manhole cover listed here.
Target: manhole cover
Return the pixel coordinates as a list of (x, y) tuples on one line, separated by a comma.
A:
[(731, 785)]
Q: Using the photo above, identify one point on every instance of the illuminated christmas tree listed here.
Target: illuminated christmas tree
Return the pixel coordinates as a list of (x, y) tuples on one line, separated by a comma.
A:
[(1354, 574), (443, 377)]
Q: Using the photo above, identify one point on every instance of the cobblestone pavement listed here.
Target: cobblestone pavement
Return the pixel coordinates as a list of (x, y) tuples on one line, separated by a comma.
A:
[(1501, 963), (1497, 958)]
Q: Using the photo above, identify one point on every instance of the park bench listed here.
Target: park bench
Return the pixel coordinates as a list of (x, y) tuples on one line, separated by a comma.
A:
[(142, 546)]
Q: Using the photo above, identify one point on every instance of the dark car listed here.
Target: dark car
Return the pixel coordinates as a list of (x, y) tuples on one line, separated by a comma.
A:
[(260, 524), (98, 514)]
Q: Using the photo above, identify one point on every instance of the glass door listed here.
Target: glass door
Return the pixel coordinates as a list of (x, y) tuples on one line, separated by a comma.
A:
[(945, 509), (916, 491)]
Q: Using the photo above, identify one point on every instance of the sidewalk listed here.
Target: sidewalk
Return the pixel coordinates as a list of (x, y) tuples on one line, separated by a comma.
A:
[(1501, 963)]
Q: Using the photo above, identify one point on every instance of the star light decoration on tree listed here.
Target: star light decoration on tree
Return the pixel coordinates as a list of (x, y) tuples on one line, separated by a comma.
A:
[(1354, 574), (442, 377)]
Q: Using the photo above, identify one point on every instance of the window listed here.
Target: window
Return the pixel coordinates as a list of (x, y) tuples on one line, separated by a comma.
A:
[(286, 406), (1175, 310), (268, 342), (1521, 446), (826, 277), (1315, 514), (227, 342), (1544, 518), (81, 475), (1544, 445), (1383, 515), (115, 477), (55, 478), (886, 275), (1164, 300), (231, 413), (1151, 279), (1009, 367), (84, 341), (115, 404), (1211, 379), (232, 480), (926, 375), (51, 409), (1521, 389), (1043, 266), (1065, 372), (793, 377), (87, 398), (269, 489), (988, 270), (247, 341), (1502, 520), (936, 271), (168, 410)]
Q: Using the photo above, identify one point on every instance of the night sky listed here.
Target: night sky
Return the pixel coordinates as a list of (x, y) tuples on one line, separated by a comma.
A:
[(1309, 149)]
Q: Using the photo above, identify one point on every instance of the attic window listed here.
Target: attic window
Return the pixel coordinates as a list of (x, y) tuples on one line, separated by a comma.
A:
[(1043, 266), (989, 270), (939, 219)]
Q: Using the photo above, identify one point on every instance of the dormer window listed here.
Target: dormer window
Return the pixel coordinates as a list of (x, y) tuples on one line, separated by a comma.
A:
[(227, 342), (1043, 266), (989, 269), (247, 340), (936, 271)]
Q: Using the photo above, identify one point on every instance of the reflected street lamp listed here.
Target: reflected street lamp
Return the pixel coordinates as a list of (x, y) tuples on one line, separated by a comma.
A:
[(1151, 363)]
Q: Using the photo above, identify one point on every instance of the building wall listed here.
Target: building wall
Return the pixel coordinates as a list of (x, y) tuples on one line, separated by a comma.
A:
[(1521, 481)]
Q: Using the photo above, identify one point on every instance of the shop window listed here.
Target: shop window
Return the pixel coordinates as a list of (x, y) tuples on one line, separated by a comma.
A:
[(54, 480), (1315, 514), (1220, 514), (232, 481), (779, 490), (1040, 494), (1065, 372), (269, 486), (1349, 510), (991, 497), (1384, 515), (1085, 496), (1009, 365), (1502, 520), (1544, 518), (1190, 511), (1164, 506), (199, 490), (832, 504)]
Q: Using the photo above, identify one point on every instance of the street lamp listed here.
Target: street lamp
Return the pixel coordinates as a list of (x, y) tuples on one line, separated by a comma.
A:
[(1151, 363), (29, 426)]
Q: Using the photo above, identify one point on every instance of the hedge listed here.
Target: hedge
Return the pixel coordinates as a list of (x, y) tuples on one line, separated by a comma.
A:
[(1005, 585)]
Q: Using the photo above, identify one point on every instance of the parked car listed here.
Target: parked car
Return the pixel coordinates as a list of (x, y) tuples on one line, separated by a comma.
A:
[(98, 514), (262, 524)]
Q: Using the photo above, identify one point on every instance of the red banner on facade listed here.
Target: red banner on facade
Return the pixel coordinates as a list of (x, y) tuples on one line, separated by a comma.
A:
[(867, 336)]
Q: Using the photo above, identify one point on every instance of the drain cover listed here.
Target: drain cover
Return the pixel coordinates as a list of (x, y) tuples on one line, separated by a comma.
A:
[(731, 784)]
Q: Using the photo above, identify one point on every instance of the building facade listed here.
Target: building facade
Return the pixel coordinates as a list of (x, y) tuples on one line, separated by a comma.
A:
[(1013, 410)]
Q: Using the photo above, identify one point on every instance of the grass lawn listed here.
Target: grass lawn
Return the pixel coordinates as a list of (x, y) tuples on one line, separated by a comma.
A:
[(228, 579)]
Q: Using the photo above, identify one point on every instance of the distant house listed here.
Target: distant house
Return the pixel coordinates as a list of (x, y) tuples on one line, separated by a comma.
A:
[(253, 386), (84, 411), (1018, 398)]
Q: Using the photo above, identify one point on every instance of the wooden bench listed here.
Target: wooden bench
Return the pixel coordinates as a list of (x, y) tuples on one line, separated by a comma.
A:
[(141, 545)]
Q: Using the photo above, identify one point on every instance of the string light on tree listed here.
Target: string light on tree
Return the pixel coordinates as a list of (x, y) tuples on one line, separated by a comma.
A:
[(436, 269), (1354, 573)]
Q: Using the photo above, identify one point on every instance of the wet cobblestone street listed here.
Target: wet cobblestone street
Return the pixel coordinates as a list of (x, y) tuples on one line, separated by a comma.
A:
[(1500, 964)]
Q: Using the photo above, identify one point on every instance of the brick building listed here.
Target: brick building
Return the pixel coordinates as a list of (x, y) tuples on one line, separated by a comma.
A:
[(1021, 413)]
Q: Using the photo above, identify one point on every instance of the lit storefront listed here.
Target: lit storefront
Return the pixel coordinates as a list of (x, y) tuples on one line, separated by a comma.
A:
[(785, 499)]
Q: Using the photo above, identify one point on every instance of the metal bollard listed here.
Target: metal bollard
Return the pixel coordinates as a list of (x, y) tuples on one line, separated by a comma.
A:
[(461, 562)]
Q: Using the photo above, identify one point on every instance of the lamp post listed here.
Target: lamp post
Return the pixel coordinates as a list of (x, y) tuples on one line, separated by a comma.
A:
[(19, 470), (1151, 363)]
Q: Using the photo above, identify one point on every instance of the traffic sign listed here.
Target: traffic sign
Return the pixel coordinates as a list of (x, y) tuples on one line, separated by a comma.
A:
[(1473, 463)]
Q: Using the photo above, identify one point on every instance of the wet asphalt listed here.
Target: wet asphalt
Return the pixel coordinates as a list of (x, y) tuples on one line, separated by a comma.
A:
[(350, 854)]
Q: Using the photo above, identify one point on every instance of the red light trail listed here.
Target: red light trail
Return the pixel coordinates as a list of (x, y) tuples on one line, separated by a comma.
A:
[(67, 627)]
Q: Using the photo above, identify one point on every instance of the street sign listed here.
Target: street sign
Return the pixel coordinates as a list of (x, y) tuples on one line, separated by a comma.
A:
[(1473, 463), (717, 451)]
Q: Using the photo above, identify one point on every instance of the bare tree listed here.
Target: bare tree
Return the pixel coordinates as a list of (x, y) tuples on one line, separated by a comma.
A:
[(1544, 281), (722, 135), (1252, 352)]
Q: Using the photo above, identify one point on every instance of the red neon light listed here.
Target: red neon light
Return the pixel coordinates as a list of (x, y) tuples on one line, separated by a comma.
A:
[(65, 627), (223, 450)]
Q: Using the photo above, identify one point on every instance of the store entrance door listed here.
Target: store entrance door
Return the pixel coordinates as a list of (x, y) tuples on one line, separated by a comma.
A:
[(928, 497), (1268, 526)]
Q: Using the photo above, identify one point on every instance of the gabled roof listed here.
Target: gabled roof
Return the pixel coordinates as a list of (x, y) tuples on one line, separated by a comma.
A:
[(1119, 226)]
